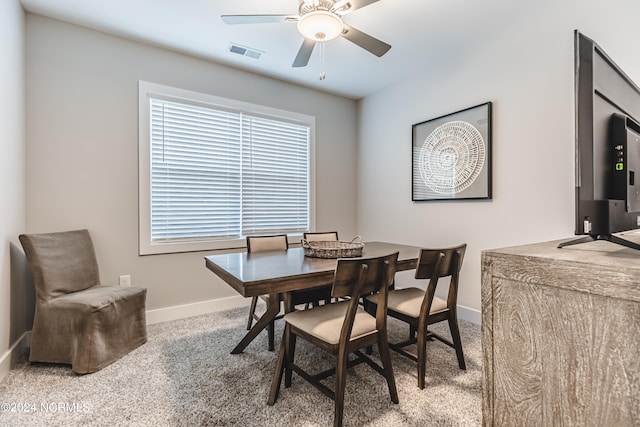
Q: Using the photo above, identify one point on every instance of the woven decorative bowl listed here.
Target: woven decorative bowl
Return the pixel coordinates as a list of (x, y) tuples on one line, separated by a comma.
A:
[(332, 249)]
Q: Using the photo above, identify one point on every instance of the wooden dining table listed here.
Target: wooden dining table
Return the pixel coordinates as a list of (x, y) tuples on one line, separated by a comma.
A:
[(279, 273)]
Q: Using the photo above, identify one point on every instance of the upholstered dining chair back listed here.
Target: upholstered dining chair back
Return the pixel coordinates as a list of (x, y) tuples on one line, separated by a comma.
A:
[(77, 320), (61, 263), (320, 236), (277, 242)]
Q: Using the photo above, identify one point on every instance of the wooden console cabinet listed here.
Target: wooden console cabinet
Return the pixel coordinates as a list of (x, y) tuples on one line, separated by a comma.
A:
[(561, 335)]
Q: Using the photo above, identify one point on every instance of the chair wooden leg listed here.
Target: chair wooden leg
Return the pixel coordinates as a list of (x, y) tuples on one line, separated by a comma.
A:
[(252, 311), (280, 367), (412, 332), (291, 350), (341, 381), (422, 356), (388, 369), (371, 309), (271, 332), (457, 343)]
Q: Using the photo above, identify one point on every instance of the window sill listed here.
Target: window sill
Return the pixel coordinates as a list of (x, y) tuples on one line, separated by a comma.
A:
[(204, 246)]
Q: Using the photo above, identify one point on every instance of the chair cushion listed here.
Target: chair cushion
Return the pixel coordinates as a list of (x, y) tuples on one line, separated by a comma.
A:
[(325, 322), (95, 298), (408, 301)]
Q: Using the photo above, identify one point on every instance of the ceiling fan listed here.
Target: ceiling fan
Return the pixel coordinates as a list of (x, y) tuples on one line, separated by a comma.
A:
[(319, 21)]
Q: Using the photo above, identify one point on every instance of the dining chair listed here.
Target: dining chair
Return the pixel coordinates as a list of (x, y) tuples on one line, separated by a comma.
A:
[(77, 320), (255, 244), (320, 236), (342, 328), (420, 308), (306, 297)]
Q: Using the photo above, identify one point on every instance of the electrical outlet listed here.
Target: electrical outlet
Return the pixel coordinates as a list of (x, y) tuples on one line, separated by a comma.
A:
[(125, 280)]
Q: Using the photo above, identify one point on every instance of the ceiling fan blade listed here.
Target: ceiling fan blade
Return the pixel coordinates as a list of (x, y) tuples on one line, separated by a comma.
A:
[(302, 58), (365, 41), (352, 5), (257, 19)]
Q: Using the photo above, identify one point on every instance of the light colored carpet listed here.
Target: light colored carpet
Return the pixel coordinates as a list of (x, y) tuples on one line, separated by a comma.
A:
[(185, 376)]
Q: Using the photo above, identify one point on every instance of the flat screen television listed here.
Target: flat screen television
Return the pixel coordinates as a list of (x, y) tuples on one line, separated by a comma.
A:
[(607, 115)]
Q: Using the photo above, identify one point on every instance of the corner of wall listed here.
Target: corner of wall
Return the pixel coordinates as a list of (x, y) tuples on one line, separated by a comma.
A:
[(13, 317), (16, 354)]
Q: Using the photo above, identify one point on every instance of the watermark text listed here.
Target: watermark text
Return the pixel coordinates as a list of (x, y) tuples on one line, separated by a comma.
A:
[(46, 407)]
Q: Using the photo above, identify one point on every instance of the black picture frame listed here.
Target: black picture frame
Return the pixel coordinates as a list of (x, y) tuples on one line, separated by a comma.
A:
[(451, 156)]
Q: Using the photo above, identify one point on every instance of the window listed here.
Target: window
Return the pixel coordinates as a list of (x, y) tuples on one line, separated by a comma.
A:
[(213, 171)]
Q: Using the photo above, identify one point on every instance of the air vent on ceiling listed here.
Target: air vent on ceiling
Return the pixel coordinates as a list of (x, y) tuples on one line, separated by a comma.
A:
[(245, 51)]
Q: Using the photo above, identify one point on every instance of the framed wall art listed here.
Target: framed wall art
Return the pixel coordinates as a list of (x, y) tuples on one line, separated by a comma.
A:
[(452, 156)]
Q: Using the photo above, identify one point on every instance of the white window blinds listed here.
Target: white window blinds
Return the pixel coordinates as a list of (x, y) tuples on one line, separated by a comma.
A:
[(275, 176), (222, 174)]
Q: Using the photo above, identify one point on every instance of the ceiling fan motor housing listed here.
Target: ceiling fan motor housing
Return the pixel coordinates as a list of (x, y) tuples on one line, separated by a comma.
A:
[(336, 7)]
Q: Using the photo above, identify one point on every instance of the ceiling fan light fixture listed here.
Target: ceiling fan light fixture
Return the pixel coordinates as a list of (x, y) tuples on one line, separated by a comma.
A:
[(320, 25)]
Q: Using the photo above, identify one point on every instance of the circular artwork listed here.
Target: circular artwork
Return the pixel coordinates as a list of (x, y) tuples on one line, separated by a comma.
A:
[(451, 157)]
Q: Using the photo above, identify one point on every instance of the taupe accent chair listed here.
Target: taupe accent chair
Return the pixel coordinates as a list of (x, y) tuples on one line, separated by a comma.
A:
[(342, 328), (277, 242), (421, 308), (77, 320)]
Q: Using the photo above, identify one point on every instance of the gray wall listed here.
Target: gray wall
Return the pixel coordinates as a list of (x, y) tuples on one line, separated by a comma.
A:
[(525, 67), (15, 314), (82, 144)]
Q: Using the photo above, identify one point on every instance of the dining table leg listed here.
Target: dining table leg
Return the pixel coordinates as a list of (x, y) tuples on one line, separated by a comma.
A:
[(273, 308)]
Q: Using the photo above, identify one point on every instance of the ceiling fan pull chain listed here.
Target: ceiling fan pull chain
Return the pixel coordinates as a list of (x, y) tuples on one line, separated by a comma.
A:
[(322, 75)]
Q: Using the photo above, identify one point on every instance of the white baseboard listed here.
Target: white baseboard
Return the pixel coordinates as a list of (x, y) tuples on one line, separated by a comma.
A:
[(14, 355), (469, 314), (195, 309)]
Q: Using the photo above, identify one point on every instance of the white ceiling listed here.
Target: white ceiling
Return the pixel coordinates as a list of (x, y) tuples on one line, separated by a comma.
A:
[(419, 31)]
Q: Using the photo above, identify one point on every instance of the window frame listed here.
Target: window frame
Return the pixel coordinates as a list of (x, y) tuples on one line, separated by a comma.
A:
[(147, 90)]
